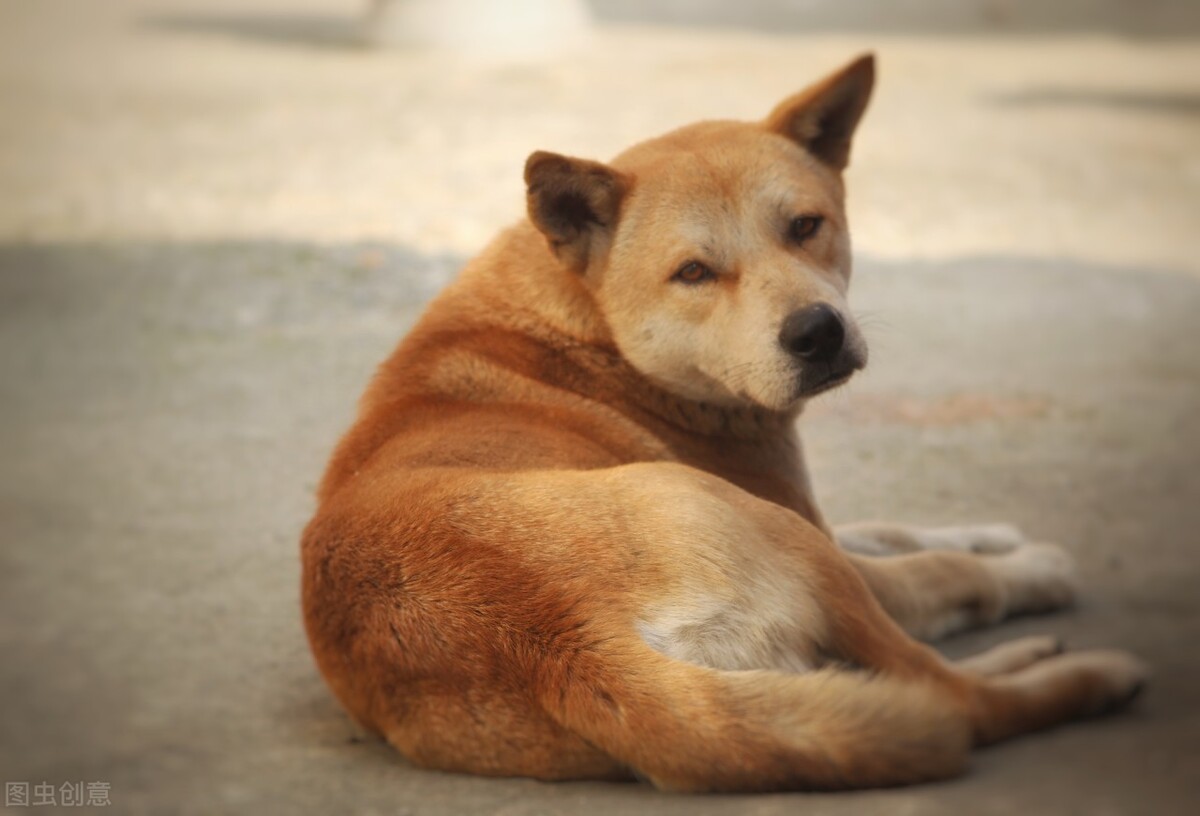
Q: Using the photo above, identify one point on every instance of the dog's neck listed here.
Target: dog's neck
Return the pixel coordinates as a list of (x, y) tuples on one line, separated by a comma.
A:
[(517, 283), (519, 278)]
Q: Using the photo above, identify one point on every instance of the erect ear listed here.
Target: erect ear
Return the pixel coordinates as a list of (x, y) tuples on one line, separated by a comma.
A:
[(822, 118), (574, 203)]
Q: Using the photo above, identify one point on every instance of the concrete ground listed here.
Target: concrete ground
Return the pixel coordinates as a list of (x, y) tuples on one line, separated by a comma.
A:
[(216, 218)]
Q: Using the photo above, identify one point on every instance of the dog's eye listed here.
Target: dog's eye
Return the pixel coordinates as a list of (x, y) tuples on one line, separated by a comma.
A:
[(693, 272), (805, 227)]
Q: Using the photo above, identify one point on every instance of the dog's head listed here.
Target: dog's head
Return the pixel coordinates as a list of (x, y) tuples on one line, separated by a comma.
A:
[(719, 254)]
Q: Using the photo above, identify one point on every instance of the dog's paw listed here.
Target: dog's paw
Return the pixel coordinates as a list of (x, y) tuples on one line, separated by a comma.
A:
[(1037, 578), (981, 539), (1109, 678)]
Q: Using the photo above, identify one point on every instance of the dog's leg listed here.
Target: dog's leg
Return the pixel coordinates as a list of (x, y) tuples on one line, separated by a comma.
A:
[(1046, 692), (940, 580), (688, 727), (692, 728), (1013, 655), (933, 593), (887, 538)]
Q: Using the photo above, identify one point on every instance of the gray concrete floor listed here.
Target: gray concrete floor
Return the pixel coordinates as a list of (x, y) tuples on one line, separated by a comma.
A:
[(216, 218)]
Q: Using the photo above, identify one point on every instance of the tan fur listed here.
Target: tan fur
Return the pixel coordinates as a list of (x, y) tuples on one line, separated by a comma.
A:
[(571, 533)]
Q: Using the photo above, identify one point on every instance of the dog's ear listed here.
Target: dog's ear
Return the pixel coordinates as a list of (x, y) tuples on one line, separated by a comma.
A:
[(574, 203), (822, 118)]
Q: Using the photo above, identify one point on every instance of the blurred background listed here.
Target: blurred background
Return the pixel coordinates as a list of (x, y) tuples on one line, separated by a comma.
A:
[(217, 217)]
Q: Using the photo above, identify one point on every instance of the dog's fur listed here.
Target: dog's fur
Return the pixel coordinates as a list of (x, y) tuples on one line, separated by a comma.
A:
[(571, 534)]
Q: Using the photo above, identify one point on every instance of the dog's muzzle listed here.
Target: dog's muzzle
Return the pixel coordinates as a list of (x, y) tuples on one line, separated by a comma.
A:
[(816, 337)]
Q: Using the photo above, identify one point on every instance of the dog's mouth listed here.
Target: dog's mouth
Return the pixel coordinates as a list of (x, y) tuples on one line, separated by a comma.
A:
[(817, 379), (810, 388)]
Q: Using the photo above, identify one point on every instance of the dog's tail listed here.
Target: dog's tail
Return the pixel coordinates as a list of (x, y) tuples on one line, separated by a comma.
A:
[(689, 728)]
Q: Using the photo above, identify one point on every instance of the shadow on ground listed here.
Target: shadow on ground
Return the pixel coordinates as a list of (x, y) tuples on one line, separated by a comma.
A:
[(925, 17), (1158, 20), (167, 409), (1178, 104)]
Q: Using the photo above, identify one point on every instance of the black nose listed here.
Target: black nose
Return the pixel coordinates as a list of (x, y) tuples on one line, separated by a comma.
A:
[(814, 333)]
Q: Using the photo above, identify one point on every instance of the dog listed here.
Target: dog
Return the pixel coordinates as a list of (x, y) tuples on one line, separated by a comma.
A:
[(571, 534)]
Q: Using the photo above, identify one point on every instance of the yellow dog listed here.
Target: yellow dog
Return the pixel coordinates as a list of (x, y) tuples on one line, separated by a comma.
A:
[(571, 533)]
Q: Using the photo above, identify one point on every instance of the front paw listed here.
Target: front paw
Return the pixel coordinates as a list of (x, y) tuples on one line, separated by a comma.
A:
[(981, 539), (1037, 578), (1106, 680)]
